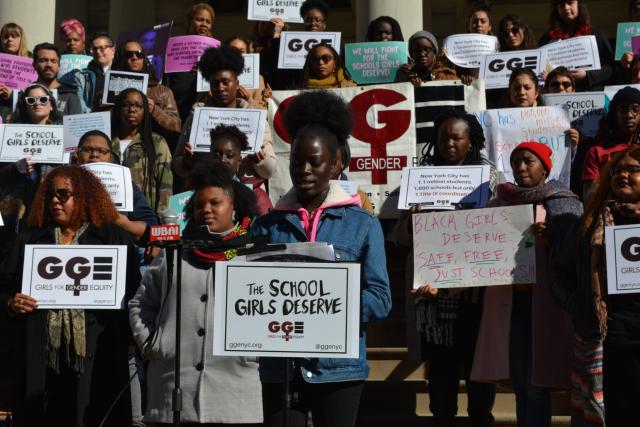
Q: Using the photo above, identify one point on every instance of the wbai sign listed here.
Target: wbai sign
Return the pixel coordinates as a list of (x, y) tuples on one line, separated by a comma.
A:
[(85, 277), (623, 259), (287, 309), (382, 142)]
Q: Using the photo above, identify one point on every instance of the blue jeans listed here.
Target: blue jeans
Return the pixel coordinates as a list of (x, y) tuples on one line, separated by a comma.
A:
[(533, 403)]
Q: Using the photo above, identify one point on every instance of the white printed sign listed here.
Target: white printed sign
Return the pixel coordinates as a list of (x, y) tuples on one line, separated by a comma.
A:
[(43, 143), (249, 121), (495, 69), (585, 109), (76, 125), (83, 277), (505, 128), (444, 187), (476, 247), (249, 79), (575, 53), (467, 50), (265, 10), (117, 181), (294, 46), (623, 259), (118, 81), (286, 309)]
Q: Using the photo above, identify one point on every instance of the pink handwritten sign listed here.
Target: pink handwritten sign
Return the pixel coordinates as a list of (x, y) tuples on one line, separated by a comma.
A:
[(183, 52), (475, 247), (635, 45), (16, 72)]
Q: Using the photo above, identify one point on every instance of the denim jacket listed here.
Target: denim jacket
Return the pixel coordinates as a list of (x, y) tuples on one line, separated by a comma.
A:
[(356, 236)]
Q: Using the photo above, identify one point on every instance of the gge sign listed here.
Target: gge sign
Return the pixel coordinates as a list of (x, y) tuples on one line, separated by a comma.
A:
[(630, 249), (76, 268), (295, 45), (512, 64)]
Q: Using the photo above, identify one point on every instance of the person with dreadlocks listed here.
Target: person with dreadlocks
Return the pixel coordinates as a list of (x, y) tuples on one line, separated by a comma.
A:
[(384, 29), (447, 324), (144, 152), (324, 69)]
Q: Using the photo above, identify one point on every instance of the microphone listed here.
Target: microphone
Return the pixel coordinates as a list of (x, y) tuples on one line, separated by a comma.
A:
[(169, 216), (168, 231)]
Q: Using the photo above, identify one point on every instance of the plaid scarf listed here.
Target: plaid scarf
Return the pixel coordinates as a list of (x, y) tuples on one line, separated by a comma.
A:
[(598, 267)]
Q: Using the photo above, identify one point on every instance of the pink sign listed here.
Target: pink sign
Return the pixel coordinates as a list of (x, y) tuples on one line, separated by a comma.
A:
[(16, 72), (183, 52), (635, 45)]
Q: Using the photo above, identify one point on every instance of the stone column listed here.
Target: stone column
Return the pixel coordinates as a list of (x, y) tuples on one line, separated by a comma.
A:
[(407, 12), (36, 17)]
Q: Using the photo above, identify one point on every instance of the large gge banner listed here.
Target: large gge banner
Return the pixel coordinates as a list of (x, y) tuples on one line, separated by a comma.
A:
[(382, 142)]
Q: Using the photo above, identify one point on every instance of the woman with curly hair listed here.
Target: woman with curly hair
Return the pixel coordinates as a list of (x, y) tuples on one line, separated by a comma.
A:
[(570, 18), (324, 69), (220, 390), (62, 377), (317, 209), (443, 327)]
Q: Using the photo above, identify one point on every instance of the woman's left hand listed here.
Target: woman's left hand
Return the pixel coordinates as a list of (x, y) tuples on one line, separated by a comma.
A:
[(259, 155), (627, 210), (573, 135), (579, 74), (540, 230)]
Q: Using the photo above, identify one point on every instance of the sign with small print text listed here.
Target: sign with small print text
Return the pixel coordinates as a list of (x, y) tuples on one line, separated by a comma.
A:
[(265, 10), (43, 143), (76, 125), (248, 120), (117, 181), (623, 259), (183, 52), (294, 46), (118, 81), (16, 72), (575, 53), (467, 50)]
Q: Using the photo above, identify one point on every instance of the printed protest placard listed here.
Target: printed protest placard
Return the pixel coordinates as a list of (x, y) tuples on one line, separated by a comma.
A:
[(70, 62), (249, 79), (118, 81), (495, 69), (476, 247), (154, 42), (117, 181), (76, 125), (285, 309), (585, 109), (177, 202), (43, 143), (626, 31), (248, 120), (265, 10), (370, 63), (83, 277), (294, 46), (16, 72), (382, 143), (575, 53), (506, 128), (623, 259), (444, 187), (183, 52), (467, 50)]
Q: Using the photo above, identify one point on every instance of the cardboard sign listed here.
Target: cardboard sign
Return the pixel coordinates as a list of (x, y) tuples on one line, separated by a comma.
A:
[(495, 69), (16, 72), (70, 62), (626, 31), (285, 309), (177, 202), (379, 62), (575, 53), (183, 52), (623, 259), (585, 109), (118, 81), (248, 120), (43, 143), (294, 46), (265, 10), (467, 50), (79, 276), (505, 128), (477, 247), (444, 187), (76, 125), (382, 143), (117, 181), (249, 79), (154, 42)]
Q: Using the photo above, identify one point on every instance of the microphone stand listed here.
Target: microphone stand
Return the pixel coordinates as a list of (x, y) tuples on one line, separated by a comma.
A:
[(176, 397)]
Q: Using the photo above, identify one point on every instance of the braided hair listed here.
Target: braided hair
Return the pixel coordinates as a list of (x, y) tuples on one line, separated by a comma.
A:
[(430, 153)]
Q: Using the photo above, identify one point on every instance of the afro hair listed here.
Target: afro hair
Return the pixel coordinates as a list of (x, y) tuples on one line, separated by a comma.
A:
[(224, 57), (232, 132), (315, 4)]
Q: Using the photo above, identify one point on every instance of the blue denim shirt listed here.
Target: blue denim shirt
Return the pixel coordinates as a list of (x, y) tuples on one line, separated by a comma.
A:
[(356, 236)]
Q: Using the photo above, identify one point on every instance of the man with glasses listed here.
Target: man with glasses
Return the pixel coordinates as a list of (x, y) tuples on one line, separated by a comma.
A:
[(103, 50)]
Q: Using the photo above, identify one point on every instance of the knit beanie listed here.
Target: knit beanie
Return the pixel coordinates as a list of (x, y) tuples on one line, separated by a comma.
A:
[(542, 151), (423, 35)]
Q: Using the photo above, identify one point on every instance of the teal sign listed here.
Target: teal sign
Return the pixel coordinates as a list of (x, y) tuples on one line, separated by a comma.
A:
[(626, 31), (377, 62), (177, 202), (73, 62)]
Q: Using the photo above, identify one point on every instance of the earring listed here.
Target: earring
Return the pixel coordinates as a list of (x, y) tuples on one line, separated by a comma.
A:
[(233, 216)]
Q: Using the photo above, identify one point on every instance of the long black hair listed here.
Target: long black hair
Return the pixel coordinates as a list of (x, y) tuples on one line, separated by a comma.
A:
[(430, 154), (583, 24), (529, 41), (337, 57), (120, 60), (396, 31)]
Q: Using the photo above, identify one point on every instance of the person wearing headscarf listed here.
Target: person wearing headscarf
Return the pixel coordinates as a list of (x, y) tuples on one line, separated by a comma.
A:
[(72, 34)]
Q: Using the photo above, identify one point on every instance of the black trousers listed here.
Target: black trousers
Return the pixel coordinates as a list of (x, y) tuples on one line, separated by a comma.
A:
[(621, 384), (331, 404)]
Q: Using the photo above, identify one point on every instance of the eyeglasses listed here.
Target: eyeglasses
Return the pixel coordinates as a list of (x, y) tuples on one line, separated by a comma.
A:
[(133, 54), (91, 150), (62, 194), (134, 107), (417, 51), (626, 109), (32, 100), (558, 84), (101, 48), (513, 31), (629, 170), (324, 59), (313, 19)]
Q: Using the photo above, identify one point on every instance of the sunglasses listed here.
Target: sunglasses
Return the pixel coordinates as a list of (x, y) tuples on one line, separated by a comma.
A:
[(324, 58), (62, 194), (133, 54), (513, 31), (32, 100), (558, 85)]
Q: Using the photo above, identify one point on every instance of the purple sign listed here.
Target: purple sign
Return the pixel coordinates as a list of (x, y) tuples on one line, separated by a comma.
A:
[(183, 52), (154, 42), (16, 72), (635, 45)]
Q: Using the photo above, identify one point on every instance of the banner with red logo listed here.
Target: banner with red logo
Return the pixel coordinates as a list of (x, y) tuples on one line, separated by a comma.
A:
[(382, 142)]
